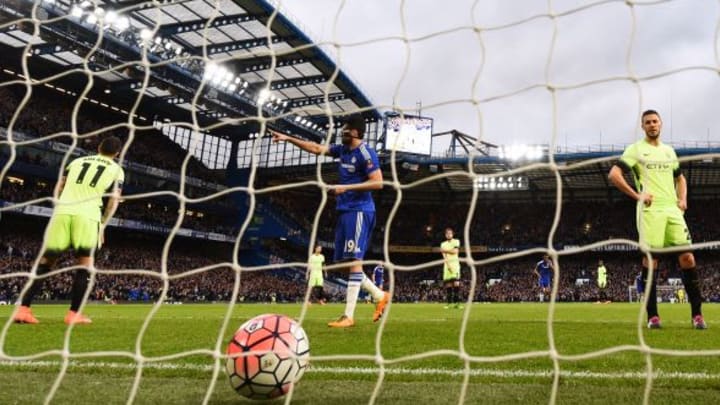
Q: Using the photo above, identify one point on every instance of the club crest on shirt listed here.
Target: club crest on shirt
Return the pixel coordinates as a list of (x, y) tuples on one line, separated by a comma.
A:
[(353, 160)]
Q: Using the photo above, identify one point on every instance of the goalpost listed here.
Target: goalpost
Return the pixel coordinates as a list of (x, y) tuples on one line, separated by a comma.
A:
[(481, 101), (665, 293)]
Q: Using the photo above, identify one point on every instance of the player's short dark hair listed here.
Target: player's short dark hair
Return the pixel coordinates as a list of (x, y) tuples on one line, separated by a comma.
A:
[(649, 112), (110, 146), (356, 122)]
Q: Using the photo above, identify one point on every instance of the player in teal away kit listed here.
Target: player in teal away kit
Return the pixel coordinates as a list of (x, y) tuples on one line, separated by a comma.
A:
[(661, 192), (77, 222)]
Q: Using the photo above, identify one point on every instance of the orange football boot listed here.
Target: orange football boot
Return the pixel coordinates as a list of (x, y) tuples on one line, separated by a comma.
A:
[(25, 315), (76, 318), (342, 322), (380, 307)]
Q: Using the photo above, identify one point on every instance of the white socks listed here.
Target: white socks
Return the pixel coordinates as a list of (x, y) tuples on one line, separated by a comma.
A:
[(355, 282), (353, 290), (368, 286)]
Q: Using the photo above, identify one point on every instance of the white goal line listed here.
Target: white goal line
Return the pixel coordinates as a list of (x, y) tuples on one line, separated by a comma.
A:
[(623, 375)]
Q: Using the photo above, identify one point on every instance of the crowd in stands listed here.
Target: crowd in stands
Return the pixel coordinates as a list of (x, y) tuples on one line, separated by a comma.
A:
[(580, 223), (502, 226), (150, 211), (514, 281), (19, 250), (22, 192), (164, 215), (510, 281), (48, 112), (514, 225), (509, 225), (147, 211), (149, 147)]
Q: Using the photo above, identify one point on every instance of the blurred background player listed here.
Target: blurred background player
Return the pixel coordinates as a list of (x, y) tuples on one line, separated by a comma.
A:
[(78, 222), (640, 287), (377, 279), (360, 173), (544, 272), (450, 249), (602, 283), (681, 295), (662, 200), (378, 276), (316, 271)]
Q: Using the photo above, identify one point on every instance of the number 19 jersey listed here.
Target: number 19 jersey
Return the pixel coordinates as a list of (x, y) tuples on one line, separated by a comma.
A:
[(86, 180)]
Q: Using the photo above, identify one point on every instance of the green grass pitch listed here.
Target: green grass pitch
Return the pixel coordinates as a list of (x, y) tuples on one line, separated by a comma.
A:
[(494, 332)]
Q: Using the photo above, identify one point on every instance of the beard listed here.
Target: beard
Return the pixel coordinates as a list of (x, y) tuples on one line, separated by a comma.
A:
[(346, 140)]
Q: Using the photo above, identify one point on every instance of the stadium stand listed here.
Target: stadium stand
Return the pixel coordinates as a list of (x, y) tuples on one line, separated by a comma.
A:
[(513, 280), (499, 224)]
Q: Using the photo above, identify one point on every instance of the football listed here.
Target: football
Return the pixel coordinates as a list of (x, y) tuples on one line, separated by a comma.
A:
[(267, 355)]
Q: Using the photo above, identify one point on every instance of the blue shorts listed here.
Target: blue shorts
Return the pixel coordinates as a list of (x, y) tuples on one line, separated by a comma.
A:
[(639, 285), (379, 284), (545, 282), (352, 234)]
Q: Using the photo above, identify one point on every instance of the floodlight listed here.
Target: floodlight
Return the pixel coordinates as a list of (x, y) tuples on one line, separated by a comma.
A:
[(122, 23), (76, 12), (263, 96)]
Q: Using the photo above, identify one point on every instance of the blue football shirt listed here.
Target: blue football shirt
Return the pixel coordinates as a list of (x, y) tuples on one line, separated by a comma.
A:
[(545, 269), (378, 272), (355, 165)]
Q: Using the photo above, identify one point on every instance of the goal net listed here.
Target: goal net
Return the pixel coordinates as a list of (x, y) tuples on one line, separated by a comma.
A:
[(550, 92)]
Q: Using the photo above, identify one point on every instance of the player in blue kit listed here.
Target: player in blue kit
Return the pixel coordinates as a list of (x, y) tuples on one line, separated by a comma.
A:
[(544, 272), (360, 173), (640, 286), (378, 275)]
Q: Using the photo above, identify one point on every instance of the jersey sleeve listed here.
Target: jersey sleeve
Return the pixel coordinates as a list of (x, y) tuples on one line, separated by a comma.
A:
[(456, 244), (120, 178), (334, 150), (370, 160), (630, 156)]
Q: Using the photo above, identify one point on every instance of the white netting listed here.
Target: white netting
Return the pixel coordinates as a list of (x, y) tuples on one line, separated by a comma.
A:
[(478, 99)]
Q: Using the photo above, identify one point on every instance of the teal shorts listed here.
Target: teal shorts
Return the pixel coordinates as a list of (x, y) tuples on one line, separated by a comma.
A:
[(451, 272), (316, 280), (664, 227), (66, 231)]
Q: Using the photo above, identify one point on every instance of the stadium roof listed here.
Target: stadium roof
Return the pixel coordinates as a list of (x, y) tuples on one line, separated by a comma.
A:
[(583, 176), (185, 41)]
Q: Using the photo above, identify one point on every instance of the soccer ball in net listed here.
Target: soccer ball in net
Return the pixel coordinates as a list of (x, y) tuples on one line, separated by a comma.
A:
[(268, 354)]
